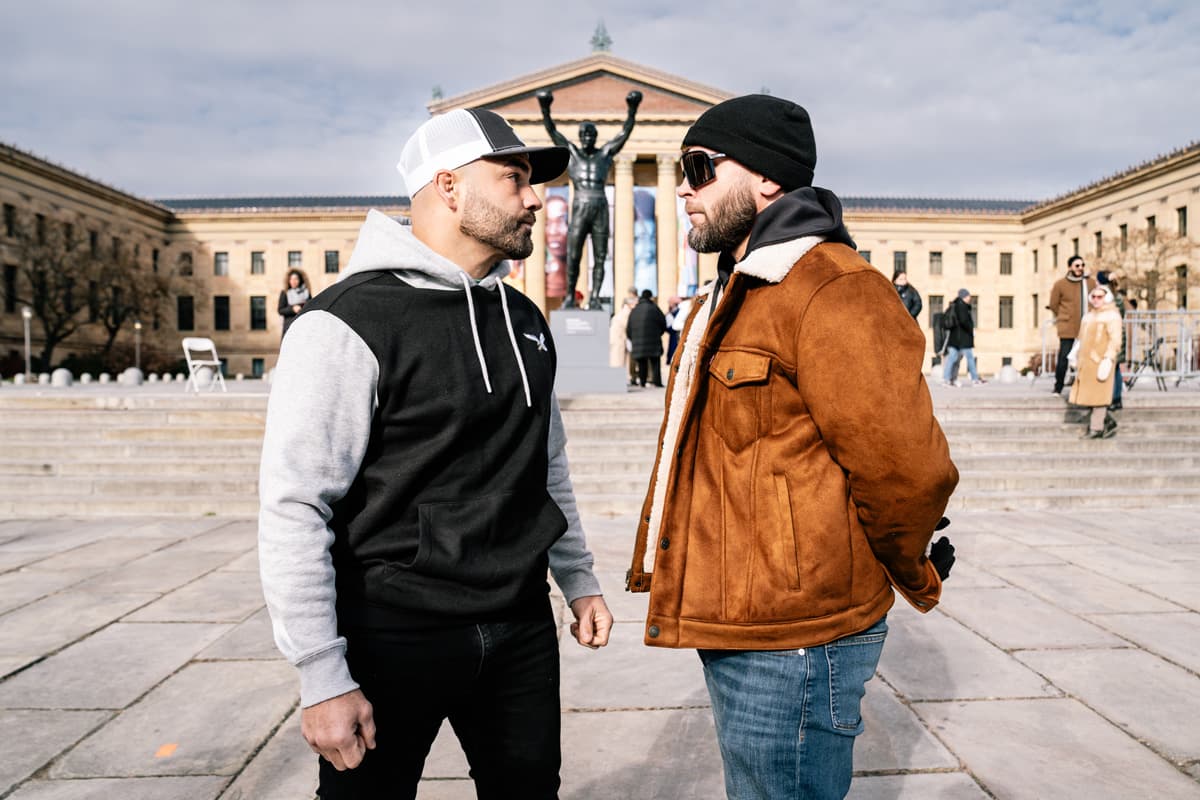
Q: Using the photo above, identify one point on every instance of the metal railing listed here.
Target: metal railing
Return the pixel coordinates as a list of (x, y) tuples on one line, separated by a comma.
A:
[(1162, 345)]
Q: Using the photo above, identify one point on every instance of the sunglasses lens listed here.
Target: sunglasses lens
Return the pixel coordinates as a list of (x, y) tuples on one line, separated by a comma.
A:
[(697, 168)]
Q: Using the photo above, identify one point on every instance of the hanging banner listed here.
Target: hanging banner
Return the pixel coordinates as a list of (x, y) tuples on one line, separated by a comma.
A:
[(557, 203), (689, 260), (645, 241)]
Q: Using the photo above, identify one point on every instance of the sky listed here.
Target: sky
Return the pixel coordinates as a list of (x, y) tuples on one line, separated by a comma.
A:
[(1012, 99)]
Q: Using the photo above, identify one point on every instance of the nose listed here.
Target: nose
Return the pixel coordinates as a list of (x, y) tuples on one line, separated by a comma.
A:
[(531, 199), (683, 189)]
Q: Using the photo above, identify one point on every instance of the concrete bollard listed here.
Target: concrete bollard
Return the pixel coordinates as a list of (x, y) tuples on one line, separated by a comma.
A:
[(85, 378), (1008, 374), (131, 377), (61, 378), (105, 377), (152, 378), (19, 379), (44, 379)]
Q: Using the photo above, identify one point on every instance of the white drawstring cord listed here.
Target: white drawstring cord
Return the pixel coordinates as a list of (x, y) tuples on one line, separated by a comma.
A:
[(512, 337), (487, 381)]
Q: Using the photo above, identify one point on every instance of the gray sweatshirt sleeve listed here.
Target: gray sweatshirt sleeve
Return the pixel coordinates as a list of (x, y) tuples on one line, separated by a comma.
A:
[(570, 560), (323, 396)]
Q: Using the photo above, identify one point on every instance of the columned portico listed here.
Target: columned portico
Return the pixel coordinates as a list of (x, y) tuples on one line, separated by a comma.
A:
[(668, 225), (623, 233)]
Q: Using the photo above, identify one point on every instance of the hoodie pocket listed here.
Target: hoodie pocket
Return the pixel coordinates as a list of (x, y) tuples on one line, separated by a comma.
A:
[(739, 397)]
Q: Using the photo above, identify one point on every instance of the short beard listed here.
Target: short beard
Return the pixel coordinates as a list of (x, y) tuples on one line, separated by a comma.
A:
[(488, 224), (729, 222)]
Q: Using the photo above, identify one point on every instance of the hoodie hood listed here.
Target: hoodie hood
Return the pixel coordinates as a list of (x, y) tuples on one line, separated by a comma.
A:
[(807, 211), (386, 245)]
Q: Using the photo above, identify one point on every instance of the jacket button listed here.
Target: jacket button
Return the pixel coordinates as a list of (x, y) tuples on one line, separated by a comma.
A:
[(729, 375), (647, 519), (653, 631), (665, 543)]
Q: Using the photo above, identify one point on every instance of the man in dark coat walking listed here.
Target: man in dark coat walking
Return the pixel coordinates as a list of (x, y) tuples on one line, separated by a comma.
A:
[(960, 340), (647, 324)]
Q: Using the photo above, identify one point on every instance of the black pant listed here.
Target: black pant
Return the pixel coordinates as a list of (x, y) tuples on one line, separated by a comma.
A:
[(1060, 367), (649, 370), (498, 685)]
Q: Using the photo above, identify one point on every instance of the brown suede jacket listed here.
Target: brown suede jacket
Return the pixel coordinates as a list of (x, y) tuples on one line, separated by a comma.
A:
[(800, 470)]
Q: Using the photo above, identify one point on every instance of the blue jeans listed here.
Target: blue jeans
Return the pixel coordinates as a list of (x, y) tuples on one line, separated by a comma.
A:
[(953, 354), (786, 719)]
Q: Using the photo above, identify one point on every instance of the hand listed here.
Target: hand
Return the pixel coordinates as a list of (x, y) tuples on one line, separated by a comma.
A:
[(341, 729), (942, 556), (297, 308), (1104, 370), (633, 100), (1074, 362), (593, 621), (545, 98)]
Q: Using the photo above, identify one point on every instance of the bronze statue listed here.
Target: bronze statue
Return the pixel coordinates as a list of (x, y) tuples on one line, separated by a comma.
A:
[(588, 171)]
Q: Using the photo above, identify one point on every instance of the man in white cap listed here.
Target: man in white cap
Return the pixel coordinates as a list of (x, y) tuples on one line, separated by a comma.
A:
[(414, 486)]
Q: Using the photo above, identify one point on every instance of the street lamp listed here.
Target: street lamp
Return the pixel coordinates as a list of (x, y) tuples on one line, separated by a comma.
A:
[(137, 344), (27, 315)]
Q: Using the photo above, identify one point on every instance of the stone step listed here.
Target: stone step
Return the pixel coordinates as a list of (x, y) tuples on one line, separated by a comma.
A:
[(150, 486), (130, 433), (133, 401), (1083, 499), (1134, 463), (199, 470), (1118, 479), (1070, 442), (1057, 428), (1055, 412), (55, 418), (199, 451), (124, 505)]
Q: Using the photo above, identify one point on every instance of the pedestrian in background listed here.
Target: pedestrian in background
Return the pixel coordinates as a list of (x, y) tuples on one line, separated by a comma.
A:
[(618, 337), (1113, 281), (293, 297), (1094, 357), (672, 331), (1067, 301), (908, 294), (647, 324), (960, 340)]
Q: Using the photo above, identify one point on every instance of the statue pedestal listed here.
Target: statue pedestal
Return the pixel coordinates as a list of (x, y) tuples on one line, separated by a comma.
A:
[(581, 340)]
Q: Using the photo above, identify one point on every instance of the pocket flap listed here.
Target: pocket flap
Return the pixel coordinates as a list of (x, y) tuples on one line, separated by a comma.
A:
[(737, 368)]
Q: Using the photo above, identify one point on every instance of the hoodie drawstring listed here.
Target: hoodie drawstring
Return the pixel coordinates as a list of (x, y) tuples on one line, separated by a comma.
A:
[(487, 380), (512, 338)]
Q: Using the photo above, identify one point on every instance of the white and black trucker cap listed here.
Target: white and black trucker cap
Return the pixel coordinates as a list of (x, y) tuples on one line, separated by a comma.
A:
[(450, 140)]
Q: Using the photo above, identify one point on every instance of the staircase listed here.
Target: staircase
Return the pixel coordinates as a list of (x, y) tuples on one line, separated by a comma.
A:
[(75, 454)]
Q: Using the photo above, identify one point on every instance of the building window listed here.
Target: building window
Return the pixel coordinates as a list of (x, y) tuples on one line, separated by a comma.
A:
[(1075, 246), (1099, 244), (1006, 312), (116, 247), (257, 367), (10, 220), (1124, 237), (1151, 230), (154, 259), (1036, 311), (93, 244), (1181, 285), (294, 259), (899, 261), (1181, 220), (94, 301), (220, 264), (69, 235), (10, 288), (1035, 261), (1054, 257), (258, 264), (40, 228), (258, 313), (221, 312), (971, 264), (184, 266), (937, 304), (1006, 263), (185, 313), (331, 261), (935, 262), (866, 255)]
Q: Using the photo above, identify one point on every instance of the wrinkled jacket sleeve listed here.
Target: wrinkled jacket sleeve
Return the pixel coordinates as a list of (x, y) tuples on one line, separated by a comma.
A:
[(859, 369)]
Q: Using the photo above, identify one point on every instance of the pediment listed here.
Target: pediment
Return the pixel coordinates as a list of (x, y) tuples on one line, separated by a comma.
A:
[(592, 88)]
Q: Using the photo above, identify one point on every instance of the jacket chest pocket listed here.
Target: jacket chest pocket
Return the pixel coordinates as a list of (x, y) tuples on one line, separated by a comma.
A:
[(739, 398)]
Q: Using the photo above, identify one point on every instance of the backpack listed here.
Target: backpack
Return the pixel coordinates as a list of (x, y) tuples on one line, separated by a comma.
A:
[(948, 321)]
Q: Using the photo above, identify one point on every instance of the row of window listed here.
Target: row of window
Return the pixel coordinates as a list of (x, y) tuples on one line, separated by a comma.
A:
[(185, 313), (970, 262), (40, 236), (258, 262)]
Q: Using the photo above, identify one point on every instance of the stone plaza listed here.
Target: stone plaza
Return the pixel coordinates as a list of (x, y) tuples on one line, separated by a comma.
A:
[(1063, 661)]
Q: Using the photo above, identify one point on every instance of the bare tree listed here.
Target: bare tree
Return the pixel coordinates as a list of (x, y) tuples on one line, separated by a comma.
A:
[(127, 290), (1155, 264), (55, 266)]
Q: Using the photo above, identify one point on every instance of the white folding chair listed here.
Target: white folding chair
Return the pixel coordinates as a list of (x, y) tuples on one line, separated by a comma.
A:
[(202, 346)]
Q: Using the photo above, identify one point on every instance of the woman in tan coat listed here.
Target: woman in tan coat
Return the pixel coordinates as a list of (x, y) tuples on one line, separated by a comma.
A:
[(1094, 357)]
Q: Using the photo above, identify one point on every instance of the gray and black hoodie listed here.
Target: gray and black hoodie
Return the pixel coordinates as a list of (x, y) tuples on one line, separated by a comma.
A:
[(413, 469)]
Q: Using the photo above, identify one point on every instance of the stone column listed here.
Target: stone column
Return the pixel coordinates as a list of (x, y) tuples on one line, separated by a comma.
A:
[(706, 268), (623, 233), (664, 211), (535, 265)]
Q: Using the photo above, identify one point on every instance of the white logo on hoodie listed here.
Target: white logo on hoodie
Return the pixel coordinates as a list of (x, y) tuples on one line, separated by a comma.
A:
[(540, 339)]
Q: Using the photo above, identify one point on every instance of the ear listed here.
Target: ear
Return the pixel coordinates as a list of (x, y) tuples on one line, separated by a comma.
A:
[(446, 185), (767, 191)]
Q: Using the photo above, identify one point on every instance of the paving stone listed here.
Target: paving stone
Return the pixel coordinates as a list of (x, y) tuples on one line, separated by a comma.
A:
[(1045, 533), (938, 786), (160, 572), (177, 527), (1175, 637), (104, 554), (1129, 688), (666, 755), (171, 732), (233, 537), (109, 669), (10, 665), (1127, 565), (249, 640), (628, 674), (446, 758), (216, 597), (1184, 594), (54, 535), (31, 738), (894, 737), (1052, 748), (188, 788), (1013, 618), (52, 622), (1193, 770), (12, 559), (447, 789), (931, 657), (246, 562), (968, 575), (1081, 591), (22, 586), (988, 550), (286, 769)]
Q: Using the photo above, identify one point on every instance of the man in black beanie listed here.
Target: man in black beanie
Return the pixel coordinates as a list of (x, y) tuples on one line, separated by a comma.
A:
[(786, 505)]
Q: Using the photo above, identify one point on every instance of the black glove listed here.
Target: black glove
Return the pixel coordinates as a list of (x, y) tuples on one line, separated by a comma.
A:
[(942, 552)]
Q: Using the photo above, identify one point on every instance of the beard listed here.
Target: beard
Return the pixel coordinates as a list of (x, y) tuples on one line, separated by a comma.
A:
[(729, 222), (489, 224)]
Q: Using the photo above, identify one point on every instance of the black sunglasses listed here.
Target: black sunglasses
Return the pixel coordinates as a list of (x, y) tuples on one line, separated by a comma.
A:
[(698, 167)]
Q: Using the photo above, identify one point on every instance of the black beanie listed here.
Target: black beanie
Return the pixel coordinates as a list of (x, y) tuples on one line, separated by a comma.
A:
[(771, 136)]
